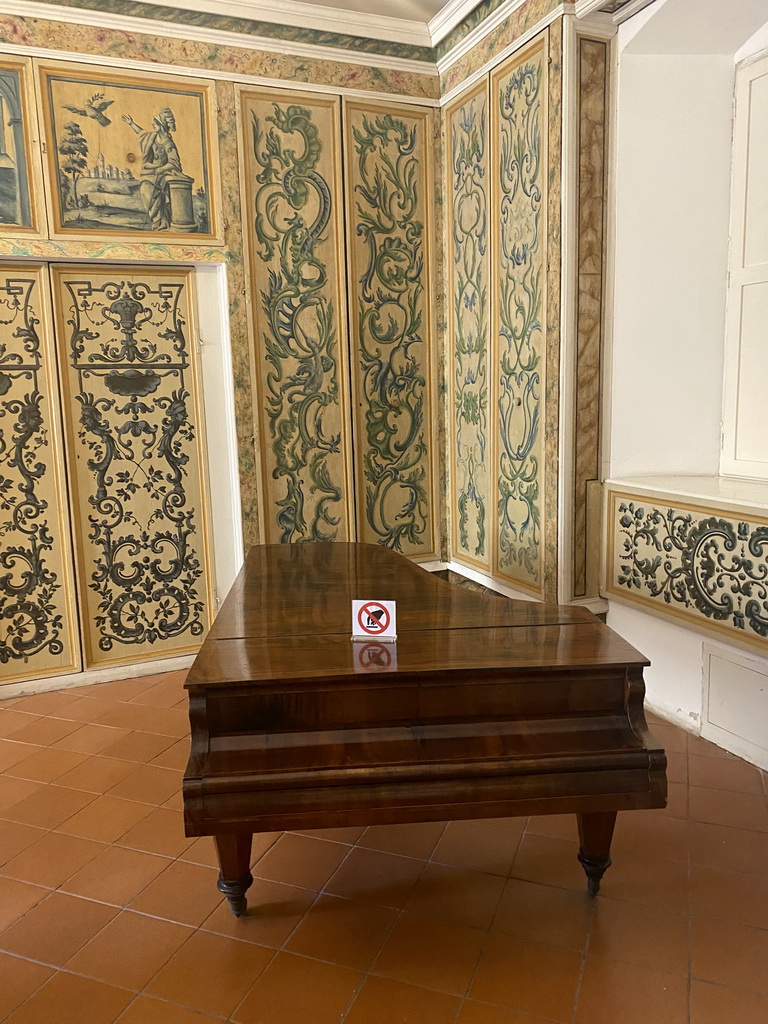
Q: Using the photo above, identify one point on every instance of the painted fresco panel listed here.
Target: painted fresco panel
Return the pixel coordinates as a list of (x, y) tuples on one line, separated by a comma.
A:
[(292, 172), (388, 223), (518, 361), (705, 565), (138, 500), (472, 510), (38, 631), (20, 182), (129, 155)]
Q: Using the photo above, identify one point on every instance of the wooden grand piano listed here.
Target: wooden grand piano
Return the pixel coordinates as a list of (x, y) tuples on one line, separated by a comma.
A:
[(484, 707)]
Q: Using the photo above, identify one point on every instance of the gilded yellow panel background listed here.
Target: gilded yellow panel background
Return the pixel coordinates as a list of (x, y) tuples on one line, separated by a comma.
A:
[(38, 618), (138, 497)]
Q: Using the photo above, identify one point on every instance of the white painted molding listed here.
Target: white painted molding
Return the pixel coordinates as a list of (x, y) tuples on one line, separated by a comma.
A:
[(491, 22), (218, 37), (585, 7), (320, 18), (633, 7), (449, 17), (497, 58)]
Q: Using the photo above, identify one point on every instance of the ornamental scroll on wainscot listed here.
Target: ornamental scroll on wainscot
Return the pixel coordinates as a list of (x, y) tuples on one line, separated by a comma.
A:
[(134, 460)]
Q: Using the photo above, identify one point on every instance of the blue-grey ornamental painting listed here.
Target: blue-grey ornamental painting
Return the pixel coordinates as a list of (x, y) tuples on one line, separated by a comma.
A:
[(129, 155), (17, 211)]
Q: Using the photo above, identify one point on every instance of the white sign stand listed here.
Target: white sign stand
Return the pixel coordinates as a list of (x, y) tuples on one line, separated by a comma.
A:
[(374, 620)]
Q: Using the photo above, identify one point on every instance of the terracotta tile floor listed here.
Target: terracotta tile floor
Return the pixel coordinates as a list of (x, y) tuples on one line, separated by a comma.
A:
[(108, 913)]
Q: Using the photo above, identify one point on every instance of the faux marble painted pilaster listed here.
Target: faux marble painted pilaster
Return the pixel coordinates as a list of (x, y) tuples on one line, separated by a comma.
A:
[(592, 107)]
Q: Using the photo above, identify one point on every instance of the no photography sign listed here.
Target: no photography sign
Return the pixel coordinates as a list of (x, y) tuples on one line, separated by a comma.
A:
[(374, 620)]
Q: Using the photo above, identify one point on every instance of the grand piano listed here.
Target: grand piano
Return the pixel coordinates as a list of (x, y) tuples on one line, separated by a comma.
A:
[(483, 707)]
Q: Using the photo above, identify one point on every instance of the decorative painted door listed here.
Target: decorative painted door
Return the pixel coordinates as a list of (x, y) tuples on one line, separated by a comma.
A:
[(469, 268), (132, 414), (389, 243), (291, 148), (38, 614)]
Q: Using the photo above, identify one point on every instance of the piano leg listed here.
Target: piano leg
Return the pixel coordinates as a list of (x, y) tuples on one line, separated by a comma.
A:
[(595, 834), (235, 878)]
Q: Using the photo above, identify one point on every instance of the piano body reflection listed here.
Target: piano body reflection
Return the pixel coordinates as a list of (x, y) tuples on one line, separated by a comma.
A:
[(484, 707)]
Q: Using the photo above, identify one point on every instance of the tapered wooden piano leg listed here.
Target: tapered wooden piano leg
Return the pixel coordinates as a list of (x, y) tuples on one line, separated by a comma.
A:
[(595, 835), (235, 876)]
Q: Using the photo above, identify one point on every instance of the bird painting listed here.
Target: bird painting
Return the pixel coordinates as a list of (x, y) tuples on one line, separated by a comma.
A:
[(94, 107)]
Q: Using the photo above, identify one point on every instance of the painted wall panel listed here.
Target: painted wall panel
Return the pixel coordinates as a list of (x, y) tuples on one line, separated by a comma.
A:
[(292, 169), (472, 508), (38, 617), (703, 565), (518, 335), (388, 229), (137, 491)]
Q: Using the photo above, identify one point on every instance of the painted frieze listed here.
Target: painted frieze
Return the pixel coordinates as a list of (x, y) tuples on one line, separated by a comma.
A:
[(472, 508), (38, 631), (20, 180), (138, 499), (292, 174), (129, 156), (518, 333), (704, 565), (388, 229)]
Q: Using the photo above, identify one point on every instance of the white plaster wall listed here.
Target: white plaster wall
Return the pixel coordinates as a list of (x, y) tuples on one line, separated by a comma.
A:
[(673, 164)]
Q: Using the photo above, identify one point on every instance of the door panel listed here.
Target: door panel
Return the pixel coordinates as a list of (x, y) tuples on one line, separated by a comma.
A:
[(137, 491), (38, 614)]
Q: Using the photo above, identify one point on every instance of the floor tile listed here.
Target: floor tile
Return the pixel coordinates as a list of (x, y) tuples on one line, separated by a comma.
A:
[(729, 954), (231, 968), (165, 693), (16, 898), (48, 807), (47, 765), (614, 991), (703, 748), (18, 980), (349, 836), (56, 928), (175, 756), (12, 752), (647, 880), (383, 1000), (15, 837), (161, 831), (298, 990), (482, 1013), (12, 721), (299, 860), (729, 849), (86, 709), (273, 912), (737, 898), (416, 840), (106, 819), (432, 954), (52, 859), (713, 1004), (62, 1000), (549, 862), (91, 739), (14, 790), (45, 731), (734, 810), (466, 845), (656, 836), (640, 935), (555, 917), (344, 932), (185, 893), (138, 746), (123, 689), (98, 774), (385, 879), (528, 977), (47, 703), (116, 875), (671, 738), (148, 784), (153, 1011), (129, 951), (556, 826), (717, 773), (468, 898)]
